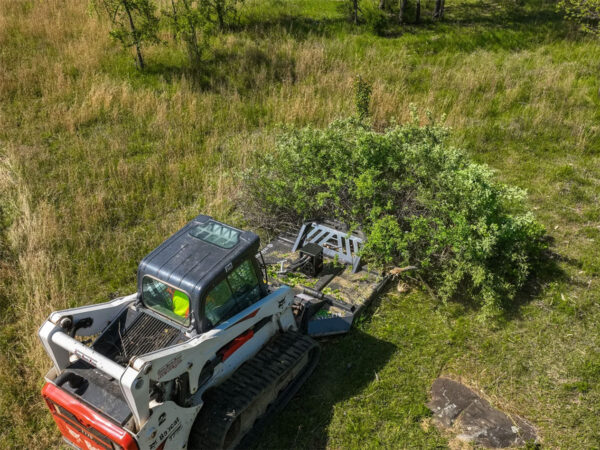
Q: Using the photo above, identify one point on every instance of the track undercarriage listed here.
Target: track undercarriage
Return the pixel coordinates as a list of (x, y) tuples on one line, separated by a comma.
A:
[(236, 410)]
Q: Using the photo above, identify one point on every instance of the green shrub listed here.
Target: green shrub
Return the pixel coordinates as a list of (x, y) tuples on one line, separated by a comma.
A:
[(418, 200), (586, 13), (376, 19)]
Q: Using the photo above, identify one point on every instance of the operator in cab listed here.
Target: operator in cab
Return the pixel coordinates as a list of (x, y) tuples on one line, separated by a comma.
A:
[(180, 302)]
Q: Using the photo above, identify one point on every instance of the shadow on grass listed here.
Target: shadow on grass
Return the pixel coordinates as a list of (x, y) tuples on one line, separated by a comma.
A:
[(467, 28), (547, 271), (300, 27), (244, 68), (347, 366), (506, 15), (475, 25)]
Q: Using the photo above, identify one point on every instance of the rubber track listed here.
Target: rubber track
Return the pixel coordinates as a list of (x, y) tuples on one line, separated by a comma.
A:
[(253, 379)]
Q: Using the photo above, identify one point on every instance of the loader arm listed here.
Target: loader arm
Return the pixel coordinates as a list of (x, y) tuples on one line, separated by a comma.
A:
[(135, 380), (59, 345), (272, 312)]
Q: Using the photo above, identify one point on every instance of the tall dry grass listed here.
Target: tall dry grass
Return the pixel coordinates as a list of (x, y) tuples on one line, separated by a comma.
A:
[(35, 282)]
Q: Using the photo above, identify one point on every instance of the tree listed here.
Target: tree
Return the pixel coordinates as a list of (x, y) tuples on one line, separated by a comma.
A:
[(401, 10), (584, 12), (438, 12), (418, 12), (221, 12), (355, 11), (186, 21), (134, 23)]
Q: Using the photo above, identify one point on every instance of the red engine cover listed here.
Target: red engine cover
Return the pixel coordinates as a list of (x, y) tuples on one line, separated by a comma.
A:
[(82, 426)]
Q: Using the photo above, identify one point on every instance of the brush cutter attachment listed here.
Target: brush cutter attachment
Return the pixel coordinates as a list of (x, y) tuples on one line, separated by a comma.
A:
[(322, 264)]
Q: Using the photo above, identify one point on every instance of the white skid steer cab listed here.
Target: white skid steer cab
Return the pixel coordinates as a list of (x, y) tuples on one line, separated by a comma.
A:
[(216, 339)]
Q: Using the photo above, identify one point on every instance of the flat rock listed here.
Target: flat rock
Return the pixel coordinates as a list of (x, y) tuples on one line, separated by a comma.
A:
[(456, 406)]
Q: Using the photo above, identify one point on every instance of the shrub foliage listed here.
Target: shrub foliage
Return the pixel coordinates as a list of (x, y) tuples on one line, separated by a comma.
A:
[(418, 200), (586, 13)]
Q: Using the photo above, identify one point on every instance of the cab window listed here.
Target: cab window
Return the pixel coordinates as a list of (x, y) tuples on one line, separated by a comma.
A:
[(236, 292), (216, 233), (166, 300)]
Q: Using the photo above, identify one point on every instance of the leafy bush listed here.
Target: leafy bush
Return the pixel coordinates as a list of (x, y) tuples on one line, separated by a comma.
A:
[(376, 19), (418, 200), (586, 13)]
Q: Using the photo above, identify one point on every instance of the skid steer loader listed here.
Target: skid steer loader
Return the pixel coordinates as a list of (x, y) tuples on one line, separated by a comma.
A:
[(216, 339)]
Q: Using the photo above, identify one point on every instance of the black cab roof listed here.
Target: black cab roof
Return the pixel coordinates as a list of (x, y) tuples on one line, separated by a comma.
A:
[(198, 256)]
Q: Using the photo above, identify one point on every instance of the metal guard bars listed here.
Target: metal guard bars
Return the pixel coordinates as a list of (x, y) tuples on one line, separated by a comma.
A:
[(345, 245)]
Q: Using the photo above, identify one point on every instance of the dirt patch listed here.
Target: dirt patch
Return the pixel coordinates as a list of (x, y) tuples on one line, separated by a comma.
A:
[(457, 408)]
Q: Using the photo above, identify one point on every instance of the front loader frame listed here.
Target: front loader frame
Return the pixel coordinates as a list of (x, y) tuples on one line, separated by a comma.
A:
[(167, 364)]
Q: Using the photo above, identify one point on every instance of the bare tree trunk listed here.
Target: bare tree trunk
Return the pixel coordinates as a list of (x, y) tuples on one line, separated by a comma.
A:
[(401, 11), (438, 12), (220, 14), (136, 38), (355, 6), (418, 12), (192, 38)]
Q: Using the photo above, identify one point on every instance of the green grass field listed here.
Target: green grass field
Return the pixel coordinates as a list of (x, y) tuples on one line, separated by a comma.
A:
[(99, 163)]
